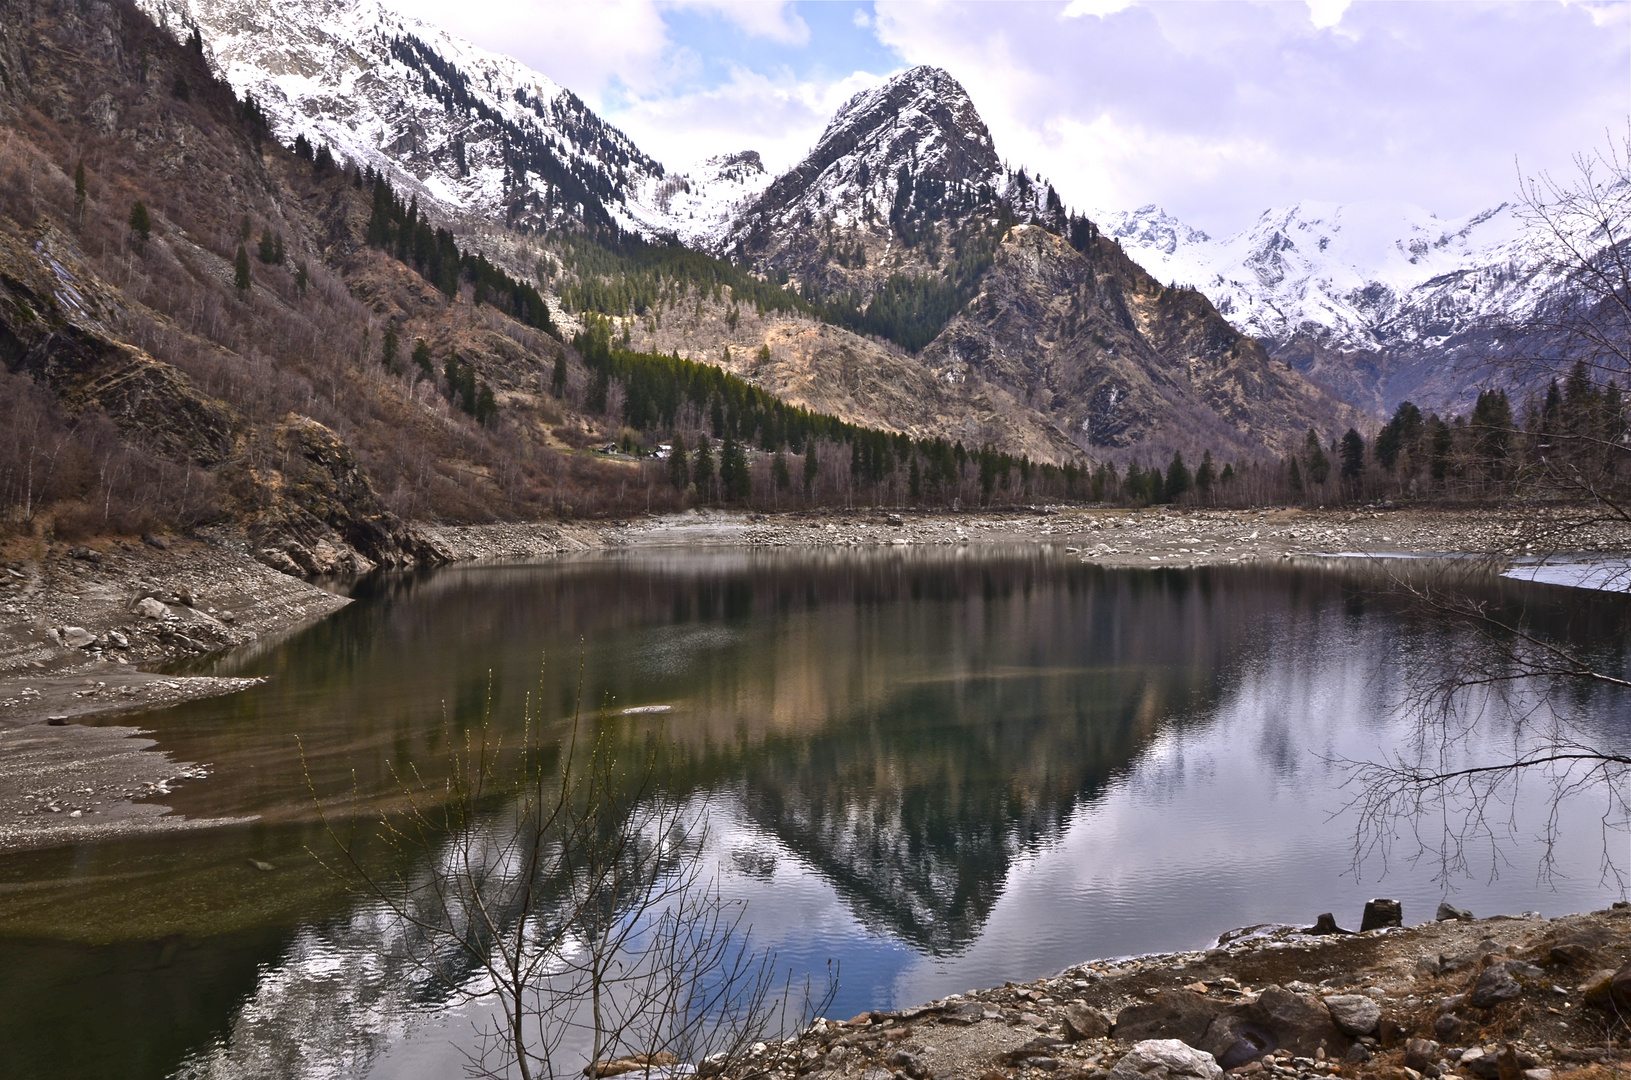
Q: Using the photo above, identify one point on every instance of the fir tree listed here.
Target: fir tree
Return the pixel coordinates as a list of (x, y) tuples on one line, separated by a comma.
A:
[(1294, 477), (1227, 476), (1179, 479), (1319, 466), (557, 383), (1206, 475), (1352, 455), (486, 405), (179, 89), (733, 470), (301, 279), (702, 468), (1398, 435), (140, 222), (268, 251), (679, 464), (79, 192), (421, 358), (811, 467), (388, 351), (277, 249), (240, 272)]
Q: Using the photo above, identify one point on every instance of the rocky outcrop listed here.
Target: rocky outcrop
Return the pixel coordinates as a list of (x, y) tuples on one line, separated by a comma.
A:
[(323, 515), (57, 326), (1120, 361)]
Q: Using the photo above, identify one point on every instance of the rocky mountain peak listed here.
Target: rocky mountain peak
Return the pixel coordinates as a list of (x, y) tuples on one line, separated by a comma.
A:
[(915, 138)]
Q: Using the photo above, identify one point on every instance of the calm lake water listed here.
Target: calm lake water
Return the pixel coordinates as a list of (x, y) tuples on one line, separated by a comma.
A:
[(943, 769)]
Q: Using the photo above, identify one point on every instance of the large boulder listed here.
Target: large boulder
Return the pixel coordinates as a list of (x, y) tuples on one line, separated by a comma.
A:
[(1354, 1014), (1299, 1022), (1166, 1059), (1493, 987), (1176, 1014), (1085, 1022)]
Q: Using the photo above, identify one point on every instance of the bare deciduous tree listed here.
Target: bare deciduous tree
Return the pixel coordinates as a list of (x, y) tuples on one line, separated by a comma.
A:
[(1541, 685), (558, 880)]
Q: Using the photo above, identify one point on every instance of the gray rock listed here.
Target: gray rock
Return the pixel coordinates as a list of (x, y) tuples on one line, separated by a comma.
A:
[(1300, 1022), (1176, 1014), (1448, 912), (149, 608), (1493, 987), (1354, 1014), (1084, 1022), (1448, 1026), (118, 640), (76, 637), (1420, 1053), (1357, 1054), (1166, 1059), (909, 1063), (155, 542), (971, 1012), (1380, 913)]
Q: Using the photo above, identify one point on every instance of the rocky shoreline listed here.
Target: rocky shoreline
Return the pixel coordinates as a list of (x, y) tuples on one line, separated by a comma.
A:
[(1500, 998), (81, 625)]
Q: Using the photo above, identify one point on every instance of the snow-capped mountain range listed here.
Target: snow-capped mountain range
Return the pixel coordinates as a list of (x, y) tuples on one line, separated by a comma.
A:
[(1362, 296), (1386, 279), (476, 132)]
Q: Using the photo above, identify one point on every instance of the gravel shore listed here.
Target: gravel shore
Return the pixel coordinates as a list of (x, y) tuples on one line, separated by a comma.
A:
[(1515, 997)]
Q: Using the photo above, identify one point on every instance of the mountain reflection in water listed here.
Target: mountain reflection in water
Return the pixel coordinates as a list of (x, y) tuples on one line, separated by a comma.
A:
[(942, 769)]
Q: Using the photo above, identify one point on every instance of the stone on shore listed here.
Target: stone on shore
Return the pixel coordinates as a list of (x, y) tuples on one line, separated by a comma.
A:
[(1354, 1014), (1166, 1059)]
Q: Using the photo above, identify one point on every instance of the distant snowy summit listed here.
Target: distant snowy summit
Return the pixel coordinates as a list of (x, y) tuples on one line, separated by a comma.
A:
[(1386, 278)]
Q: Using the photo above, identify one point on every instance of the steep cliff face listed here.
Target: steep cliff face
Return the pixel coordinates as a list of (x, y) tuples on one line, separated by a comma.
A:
[(1122, 362)]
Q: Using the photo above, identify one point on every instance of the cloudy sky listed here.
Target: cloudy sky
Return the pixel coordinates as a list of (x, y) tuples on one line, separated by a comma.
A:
[(1214, 111)]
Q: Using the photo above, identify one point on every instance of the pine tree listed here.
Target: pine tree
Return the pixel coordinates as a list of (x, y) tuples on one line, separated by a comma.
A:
[(1352, 455), (1206, 475), (702, 468), (811, 467), (388, 352), (557, 383), (733, 470), (421, 358), (140, 222), (1294, 477), (301, 279), (679, 464), (268, 251), (1319, 466), (1179, 480), (240, 276), (1227, 476), (486, 405), (277, 249)]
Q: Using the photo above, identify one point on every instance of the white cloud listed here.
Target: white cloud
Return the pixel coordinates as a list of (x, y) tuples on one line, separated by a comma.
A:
[(757, 18), (777, 115), (1218, 111), (1326, 13), (1078, 8)]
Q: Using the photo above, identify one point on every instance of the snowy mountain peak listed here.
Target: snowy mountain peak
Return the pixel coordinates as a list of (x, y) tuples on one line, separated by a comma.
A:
[(1149, 228), (474, 131)]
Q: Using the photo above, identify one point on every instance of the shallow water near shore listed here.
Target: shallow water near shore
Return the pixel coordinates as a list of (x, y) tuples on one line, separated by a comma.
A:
[(939, 768)]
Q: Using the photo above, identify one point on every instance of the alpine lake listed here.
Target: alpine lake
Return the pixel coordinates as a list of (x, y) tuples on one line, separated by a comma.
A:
[(939, 768)]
